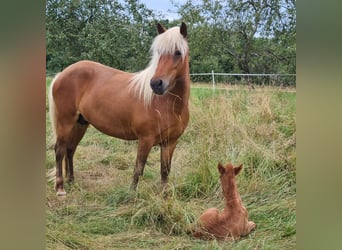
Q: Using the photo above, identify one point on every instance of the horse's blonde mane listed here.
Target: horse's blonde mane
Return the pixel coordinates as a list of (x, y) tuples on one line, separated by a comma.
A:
[(165, 43)]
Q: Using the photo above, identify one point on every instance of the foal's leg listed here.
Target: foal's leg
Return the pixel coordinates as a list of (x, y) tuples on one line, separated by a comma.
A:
[(251, 226), (144, 148), (166, 152), (77, 134), (208, 224), (209, 218)]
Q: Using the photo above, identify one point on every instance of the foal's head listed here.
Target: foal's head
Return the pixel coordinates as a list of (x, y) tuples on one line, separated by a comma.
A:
[(227, 176), (169, 53)]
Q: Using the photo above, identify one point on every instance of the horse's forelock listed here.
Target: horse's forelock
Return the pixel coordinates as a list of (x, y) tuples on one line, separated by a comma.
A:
[(168, 42)]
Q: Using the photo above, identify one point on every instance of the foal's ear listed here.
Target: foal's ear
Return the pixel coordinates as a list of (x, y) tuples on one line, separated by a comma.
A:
[(221, 169), (161, 28), (237, 169), (183, 30)]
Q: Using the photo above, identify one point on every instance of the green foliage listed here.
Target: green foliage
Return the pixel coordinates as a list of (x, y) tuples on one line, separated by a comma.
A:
[(110, 32), (241, 36), (224, 36)]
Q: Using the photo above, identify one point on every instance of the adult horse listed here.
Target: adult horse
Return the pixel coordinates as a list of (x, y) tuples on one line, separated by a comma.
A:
[(150, 106)]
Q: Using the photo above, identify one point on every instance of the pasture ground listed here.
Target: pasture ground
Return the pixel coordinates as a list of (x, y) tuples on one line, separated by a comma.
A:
[(253, 127)]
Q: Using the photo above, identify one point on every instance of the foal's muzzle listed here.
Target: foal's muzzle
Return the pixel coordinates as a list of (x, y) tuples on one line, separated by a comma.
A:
[(157, 86)]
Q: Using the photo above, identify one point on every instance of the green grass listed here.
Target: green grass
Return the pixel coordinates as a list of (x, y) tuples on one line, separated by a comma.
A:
[(253, 127)]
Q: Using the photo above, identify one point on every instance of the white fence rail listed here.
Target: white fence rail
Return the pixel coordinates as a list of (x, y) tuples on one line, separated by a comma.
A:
[(247, 76)]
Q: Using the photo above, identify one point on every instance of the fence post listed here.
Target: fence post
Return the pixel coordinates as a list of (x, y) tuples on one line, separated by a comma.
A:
[(213, 76)]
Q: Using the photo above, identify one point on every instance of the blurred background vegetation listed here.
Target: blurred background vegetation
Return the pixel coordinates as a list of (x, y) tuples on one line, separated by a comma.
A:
[(231, 36)]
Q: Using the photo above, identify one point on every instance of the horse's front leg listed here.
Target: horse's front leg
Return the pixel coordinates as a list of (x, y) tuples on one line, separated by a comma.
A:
[(144, 148), (166, 152)]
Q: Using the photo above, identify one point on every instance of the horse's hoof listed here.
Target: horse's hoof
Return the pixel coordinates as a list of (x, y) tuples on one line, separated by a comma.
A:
[(61, 193)]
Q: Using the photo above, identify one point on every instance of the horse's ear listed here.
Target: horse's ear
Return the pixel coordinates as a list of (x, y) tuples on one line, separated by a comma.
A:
[(161, 28), (220, 168), (237, 169), (183, 30)]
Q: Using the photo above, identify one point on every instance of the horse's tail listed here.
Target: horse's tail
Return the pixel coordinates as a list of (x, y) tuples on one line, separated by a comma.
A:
[(52, 110), (53, 119)]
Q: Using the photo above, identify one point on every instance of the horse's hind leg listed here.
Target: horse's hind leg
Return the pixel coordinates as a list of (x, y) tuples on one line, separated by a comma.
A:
[(77, 134), (60, 151), (64, 138), (69, 135)]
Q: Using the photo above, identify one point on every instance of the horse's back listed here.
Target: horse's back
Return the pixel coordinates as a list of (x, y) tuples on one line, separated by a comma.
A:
[(82, 77), (87, 72)]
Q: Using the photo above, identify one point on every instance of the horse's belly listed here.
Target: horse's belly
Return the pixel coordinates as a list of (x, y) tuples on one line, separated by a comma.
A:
[(118, 129)]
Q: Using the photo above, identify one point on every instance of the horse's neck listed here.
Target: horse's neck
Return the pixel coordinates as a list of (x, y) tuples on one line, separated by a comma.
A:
[(182, 89), (183, 83)]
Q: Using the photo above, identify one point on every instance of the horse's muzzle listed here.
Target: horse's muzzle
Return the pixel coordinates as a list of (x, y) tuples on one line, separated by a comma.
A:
[(158, 86)]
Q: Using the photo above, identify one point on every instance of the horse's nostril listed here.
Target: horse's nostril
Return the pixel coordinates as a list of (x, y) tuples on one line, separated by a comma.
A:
[(156, 83), (157, 86)]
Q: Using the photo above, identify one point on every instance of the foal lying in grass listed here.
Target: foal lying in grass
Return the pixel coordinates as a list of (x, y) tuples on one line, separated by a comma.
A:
[(232, 222)]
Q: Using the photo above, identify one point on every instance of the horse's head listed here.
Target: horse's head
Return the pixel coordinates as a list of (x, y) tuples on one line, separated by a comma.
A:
[(227, 176), (170, 53)]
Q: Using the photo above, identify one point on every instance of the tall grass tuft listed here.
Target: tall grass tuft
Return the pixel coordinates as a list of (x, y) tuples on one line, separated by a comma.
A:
[(166, 214)]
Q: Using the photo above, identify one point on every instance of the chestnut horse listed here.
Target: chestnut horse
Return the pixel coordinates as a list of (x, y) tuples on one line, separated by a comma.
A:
[(150, 106), (232, 222)]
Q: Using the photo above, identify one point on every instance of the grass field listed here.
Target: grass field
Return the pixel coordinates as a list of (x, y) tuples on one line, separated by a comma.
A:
[(253, 127)]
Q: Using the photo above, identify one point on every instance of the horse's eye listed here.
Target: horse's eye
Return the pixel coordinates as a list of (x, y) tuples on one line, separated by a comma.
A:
[(178, 53)]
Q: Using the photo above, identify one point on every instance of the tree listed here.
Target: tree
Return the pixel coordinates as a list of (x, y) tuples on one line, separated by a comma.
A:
[(243, 34), (240, 36), (111, 32)]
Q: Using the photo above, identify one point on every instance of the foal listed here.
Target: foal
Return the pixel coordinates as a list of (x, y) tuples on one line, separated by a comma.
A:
[(233, 220)]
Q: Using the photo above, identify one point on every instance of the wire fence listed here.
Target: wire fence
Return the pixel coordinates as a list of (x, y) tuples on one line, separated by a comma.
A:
[(283, 80)]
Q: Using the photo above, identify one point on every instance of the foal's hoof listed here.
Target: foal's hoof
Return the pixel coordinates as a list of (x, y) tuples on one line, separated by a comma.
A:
[(252, 225)]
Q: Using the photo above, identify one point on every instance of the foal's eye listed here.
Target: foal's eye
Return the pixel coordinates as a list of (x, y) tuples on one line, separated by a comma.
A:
[(178, 53)]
